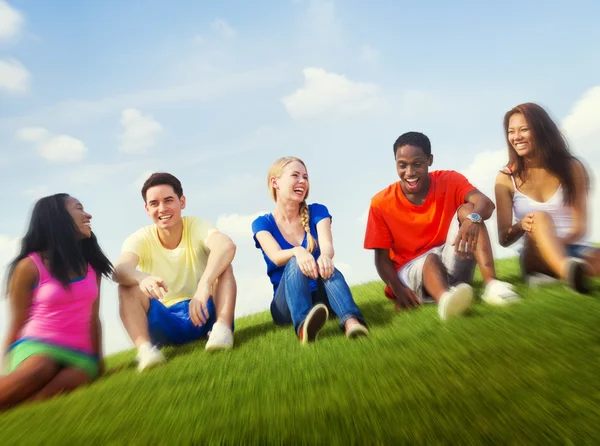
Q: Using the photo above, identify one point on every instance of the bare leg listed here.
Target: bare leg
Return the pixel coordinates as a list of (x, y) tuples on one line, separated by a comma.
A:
[(65, 381), (544, 251), (225, 296), (434, 276), (29, 377), (483, 253), (133, 307)]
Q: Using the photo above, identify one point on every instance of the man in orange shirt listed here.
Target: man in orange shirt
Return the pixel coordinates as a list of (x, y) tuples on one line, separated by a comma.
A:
[(428, 233)]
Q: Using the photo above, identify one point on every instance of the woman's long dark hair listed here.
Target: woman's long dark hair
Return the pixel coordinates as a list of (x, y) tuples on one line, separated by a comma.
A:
[(53, 233), (551, 147)]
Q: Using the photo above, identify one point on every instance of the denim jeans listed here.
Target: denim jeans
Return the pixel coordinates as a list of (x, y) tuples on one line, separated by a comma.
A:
[(293, 299)]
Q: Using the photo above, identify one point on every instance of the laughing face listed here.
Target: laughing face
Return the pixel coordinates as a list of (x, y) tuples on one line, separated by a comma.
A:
[(292, 184), (164, 206), (413, 169), (81, 218), (520, 136)]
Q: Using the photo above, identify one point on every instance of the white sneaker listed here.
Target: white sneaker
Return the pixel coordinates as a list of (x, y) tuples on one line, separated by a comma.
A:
[(499, 293), (149, 356), (219, 338), (455, 301)]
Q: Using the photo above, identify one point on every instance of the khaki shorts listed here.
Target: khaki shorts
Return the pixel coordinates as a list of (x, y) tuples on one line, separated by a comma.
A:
[(459, 270)]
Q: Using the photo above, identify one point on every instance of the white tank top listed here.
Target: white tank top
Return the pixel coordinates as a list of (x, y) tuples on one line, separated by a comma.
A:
[(562, 215)]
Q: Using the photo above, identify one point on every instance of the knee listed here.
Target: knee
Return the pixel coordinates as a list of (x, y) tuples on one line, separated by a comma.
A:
[(292, 266), (432, 260), (337, 275), (129, 294), (541, 216), (125, 292), (227, 274)]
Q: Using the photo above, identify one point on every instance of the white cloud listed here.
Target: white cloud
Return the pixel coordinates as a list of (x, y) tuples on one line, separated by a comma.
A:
[(582, 125), (223, 29), (330, 94), (140, 132), (369, 55), (54, 148), (236, 225), (33, 134), (14, 77), (483, 170), (11, 21)]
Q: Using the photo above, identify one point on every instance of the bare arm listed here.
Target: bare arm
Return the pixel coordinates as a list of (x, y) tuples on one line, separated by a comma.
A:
[(325, 262), (278, 256), (507, 232), (482, 205), (325, 238), (281, 257), (126, 272), (222, 251), (24, 278), (96, 331), (579, 206), (405, 297)]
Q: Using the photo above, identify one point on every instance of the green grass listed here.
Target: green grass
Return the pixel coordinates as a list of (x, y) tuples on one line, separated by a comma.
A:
[(523, 374)]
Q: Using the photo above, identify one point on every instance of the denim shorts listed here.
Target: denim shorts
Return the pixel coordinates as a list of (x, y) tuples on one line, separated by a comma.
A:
[(578, 251)]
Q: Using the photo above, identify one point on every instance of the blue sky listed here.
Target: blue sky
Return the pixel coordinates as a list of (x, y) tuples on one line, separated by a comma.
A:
[(96, 95)]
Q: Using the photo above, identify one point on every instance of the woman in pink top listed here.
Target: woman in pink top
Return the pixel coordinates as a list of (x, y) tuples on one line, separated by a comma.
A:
[(545, 189), (54, 341)]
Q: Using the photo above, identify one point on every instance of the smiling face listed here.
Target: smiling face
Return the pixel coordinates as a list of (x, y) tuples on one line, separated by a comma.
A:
[(520, 135), (292, 184), (81, 218), (164, 206), (412, 165)]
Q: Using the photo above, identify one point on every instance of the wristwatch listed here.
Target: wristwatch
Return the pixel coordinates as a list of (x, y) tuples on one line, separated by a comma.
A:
[(475, 218)]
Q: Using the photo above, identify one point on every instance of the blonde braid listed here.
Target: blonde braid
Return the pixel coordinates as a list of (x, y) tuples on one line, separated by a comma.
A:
[(304, 221)]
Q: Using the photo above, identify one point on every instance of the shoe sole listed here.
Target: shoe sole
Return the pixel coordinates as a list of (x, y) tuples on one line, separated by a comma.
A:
[(459, 302), (151, 365), (315, 320), (357, 331), (216, 348)]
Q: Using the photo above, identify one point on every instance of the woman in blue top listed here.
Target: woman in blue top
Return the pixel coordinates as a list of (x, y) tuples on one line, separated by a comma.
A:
[(297, 246)]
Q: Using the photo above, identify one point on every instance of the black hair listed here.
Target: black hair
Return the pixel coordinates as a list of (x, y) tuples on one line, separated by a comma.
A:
[(53, 233), (162, 178), (413, 139)]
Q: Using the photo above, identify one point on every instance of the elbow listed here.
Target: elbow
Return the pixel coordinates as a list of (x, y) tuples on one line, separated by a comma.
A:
[(231, 249)]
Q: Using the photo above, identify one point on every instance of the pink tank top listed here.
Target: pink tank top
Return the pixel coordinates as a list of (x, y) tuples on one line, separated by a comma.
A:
[(59, 315)]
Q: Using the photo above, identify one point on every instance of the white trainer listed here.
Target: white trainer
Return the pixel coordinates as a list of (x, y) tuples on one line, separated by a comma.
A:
[(499, 293), (149, 356), (455, 301), (219, 338)]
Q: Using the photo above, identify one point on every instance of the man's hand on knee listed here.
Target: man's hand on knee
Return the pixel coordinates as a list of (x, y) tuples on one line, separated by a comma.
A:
[(153, 287)]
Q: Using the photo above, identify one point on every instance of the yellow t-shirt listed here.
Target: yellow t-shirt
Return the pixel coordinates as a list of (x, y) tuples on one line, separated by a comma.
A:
[(181, 268)]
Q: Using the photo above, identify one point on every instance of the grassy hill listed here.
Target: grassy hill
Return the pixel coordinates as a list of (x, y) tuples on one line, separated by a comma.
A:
[(528, 373)]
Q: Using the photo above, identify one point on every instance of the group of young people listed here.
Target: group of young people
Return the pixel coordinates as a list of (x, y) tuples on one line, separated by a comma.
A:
[(177, 285)]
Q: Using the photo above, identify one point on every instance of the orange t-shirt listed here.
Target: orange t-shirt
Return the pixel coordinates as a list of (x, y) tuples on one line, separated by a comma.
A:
[(408, 230)]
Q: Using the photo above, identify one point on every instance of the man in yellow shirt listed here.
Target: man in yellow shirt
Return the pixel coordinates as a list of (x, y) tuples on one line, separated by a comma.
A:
[(175, 278)]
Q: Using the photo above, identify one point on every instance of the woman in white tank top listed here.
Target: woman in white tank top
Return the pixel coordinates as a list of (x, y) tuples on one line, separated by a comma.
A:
[(544, 188)]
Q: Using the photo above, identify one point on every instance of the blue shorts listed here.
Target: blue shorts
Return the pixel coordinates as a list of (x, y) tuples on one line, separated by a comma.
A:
[(172, 325), (579, 251)]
